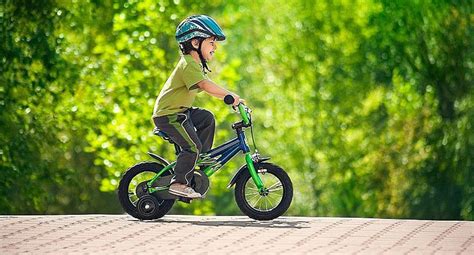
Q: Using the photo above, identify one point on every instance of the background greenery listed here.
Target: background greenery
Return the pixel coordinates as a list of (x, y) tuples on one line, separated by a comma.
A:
[(369, 105)]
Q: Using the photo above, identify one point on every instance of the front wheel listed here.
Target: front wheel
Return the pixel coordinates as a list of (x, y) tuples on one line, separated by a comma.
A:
[(270, 203)]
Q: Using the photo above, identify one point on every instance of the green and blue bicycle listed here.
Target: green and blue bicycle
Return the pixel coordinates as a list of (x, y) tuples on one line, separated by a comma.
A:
[(263, 191)]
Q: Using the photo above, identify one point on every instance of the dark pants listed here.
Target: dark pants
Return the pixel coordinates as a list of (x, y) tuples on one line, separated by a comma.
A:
[(193, 131)]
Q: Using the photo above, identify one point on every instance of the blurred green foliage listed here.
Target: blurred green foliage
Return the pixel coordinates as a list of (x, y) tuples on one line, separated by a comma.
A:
[(369, 105)]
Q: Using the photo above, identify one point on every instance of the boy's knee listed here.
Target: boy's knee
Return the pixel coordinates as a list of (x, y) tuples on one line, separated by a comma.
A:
[(209, 117), (195, 148)]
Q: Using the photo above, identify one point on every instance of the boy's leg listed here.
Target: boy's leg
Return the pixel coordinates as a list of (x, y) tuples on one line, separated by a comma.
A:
[(204, 122), (181, 131)]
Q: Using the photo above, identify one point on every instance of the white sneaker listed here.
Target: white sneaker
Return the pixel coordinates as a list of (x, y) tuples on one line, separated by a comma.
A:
[(183, 190)]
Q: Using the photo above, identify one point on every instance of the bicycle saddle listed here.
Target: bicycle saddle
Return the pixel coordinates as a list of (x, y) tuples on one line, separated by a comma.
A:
[(160, 133)]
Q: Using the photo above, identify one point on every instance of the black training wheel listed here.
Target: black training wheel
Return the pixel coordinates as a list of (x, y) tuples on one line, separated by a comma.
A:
[(148, 207)]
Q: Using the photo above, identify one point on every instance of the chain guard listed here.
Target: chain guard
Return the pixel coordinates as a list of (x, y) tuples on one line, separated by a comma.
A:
[(200, 183)]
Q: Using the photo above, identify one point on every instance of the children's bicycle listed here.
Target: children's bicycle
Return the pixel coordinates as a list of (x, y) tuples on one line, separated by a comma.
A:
[(263, 191)]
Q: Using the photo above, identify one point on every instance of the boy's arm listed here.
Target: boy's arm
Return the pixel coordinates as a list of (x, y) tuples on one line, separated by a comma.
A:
[(215, 90)]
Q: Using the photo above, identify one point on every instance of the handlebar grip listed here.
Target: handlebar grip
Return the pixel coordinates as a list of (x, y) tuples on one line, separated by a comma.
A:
[(229, 99)]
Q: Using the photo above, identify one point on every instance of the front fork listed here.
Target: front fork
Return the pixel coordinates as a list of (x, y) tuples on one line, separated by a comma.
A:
[(253, 173)]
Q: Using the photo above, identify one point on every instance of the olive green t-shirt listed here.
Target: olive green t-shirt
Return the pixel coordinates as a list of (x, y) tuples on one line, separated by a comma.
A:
[(180, 89)]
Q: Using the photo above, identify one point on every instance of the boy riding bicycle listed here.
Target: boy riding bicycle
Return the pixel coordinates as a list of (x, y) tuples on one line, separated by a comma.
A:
[(190, 127)]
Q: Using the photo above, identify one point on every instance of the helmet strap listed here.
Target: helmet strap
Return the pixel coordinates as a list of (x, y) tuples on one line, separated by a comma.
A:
[(203, 61)]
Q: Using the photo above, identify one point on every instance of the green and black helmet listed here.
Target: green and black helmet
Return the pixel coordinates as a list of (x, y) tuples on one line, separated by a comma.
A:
[(197, 27)]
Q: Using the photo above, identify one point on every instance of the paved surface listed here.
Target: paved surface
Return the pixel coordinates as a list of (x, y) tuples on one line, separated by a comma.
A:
[(122, 234)]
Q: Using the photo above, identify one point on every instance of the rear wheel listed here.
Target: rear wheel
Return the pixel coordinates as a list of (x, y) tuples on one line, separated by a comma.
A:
[(133, 186), (270, 203)]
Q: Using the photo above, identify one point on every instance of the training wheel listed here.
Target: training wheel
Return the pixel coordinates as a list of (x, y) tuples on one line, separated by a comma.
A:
[(147, 207)]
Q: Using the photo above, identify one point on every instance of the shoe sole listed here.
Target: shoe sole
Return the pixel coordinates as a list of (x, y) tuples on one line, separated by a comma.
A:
[(181, 194)]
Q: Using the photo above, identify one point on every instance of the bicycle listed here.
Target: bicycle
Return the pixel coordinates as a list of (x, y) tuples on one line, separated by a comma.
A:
[(263, 191)]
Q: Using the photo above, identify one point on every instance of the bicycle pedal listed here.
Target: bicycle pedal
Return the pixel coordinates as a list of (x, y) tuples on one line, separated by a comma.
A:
[(185, 200)]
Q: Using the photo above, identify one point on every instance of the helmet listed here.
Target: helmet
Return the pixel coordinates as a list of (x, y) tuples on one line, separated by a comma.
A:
[(198, 26)]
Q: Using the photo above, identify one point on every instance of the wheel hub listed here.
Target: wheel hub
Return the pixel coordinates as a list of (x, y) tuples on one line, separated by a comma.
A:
[(264, 192), (141, 189)]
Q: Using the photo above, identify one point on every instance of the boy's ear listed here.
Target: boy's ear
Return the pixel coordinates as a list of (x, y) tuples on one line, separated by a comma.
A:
[(195, 42)]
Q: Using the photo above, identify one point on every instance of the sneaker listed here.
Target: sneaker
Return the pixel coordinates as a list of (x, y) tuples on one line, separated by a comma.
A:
[(183, 190)]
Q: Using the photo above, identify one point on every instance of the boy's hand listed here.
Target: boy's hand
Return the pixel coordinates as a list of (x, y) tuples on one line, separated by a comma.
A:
[(237, 100)]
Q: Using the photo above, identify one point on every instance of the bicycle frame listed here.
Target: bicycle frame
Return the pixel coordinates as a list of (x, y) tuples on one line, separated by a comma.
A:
[(214, 159)]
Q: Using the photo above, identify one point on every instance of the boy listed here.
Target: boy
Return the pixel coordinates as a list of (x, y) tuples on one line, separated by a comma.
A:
[(189, 127)]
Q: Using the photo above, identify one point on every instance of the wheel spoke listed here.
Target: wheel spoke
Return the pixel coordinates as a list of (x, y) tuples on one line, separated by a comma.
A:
[(254, 196), (134, 182), (253, 193), (275, 199), (257, 201), (275, 194), (270, 202), (272, 186), (252, 185), (280, 187)]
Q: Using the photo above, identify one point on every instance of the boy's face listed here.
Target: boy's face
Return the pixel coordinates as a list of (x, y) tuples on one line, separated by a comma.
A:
[(208, 47)]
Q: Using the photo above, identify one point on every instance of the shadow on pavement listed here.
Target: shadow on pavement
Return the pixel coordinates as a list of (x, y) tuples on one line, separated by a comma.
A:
[(240, 223)]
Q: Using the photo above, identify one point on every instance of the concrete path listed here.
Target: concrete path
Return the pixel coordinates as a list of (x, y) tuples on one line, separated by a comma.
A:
[(121, 234)]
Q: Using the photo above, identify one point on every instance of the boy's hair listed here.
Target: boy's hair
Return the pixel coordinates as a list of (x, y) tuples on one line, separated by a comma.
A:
[(187, 46)]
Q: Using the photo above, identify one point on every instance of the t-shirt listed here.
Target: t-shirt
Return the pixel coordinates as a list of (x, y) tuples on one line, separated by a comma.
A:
[(180, 89)]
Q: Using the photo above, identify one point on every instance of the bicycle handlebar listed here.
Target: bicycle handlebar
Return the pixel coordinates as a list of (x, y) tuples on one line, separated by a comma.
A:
[(243, 110), (229, 99)]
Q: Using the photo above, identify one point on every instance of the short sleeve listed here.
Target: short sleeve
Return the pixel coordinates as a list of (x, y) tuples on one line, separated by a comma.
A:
[(192, 74)]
